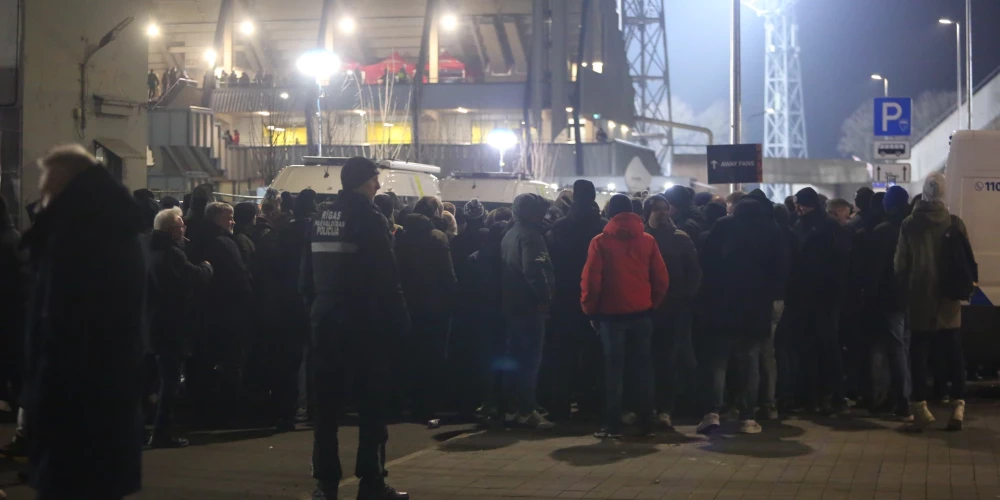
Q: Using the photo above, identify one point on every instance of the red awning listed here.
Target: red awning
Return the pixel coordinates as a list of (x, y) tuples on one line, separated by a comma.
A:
[(448, 62), (393, 63)]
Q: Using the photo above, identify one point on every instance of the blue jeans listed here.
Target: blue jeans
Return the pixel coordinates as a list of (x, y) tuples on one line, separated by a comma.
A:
[(746, 353), (525, 339), (891, 341), (633, 338)]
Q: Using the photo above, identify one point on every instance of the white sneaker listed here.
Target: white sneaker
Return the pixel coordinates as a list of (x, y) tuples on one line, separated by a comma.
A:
[(629, 418), (664, 420), (709, 423), (534, 420), (750, 427)]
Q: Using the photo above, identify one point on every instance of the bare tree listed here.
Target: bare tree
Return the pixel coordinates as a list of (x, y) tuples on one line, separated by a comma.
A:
[(270, 130), (377, 106), (857, 131)]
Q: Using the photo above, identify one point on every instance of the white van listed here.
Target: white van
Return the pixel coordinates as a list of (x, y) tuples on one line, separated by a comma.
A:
[(409, 181), (494, 190), (973, 183), (973, 175)]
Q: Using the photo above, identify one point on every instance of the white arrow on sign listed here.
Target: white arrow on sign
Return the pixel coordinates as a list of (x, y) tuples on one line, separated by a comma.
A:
[(714, 164), (893, 172), (892, 150)]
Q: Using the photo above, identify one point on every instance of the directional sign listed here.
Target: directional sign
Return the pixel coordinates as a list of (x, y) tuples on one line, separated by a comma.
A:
[(893, 172), (731, 164), (893, 117), (892, 150)]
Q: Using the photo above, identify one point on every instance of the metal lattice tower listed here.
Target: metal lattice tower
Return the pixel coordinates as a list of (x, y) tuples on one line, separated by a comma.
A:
[(646, 48), (784, 110)]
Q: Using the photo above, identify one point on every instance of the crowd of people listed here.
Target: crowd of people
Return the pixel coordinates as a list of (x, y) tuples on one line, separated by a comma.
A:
[(653, 306)]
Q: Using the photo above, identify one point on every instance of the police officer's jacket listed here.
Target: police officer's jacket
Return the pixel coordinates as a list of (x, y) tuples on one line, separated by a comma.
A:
[(350, 266)]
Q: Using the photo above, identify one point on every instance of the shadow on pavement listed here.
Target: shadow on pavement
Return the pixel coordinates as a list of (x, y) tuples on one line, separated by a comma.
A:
[(603, 452), (848, 423), (774, 442)]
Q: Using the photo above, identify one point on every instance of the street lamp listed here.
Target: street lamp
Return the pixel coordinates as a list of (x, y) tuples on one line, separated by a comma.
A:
[(958, 64), (501, 139), (152, 30), (885, 82), (320, 64), (247, 27), (347, 25), (449, 22)]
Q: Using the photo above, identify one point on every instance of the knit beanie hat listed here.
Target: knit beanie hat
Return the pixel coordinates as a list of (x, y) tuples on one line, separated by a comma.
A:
[(356, 172), (807, 197), (584, 191), (619, 204), (702, 199), (679, 196), (934, 188), (895, 198), (474, 209)]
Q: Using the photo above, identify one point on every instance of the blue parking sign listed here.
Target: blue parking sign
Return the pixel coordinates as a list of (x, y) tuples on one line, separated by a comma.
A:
[(893, 117)]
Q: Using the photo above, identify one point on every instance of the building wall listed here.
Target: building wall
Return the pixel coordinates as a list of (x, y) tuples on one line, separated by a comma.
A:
[(53, 52)]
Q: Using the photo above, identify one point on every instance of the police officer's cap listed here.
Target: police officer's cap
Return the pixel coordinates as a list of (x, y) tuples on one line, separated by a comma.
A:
[(356, 172)]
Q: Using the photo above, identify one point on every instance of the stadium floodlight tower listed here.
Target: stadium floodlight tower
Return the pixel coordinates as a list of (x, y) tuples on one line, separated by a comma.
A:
[(644, 26), (784, 111)]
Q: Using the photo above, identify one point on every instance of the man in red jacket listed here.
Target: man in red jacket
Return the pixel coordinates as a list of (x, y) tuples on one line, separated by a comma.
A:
[(623, 281)]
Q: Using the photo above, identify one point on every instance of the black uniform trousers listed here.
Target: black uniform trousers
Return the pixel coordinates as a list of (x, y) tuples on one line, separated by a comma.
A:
[(349, 359)]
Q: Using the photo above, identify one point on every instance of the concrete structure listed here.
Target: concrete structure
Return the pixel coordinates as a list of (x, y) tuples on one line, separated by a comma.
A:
[(931, 152), (107, 115), (496, 89)]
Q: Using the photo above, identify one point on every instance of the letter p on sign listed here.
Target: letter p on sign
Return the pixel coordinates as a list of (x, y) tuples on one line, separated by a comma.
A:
[(892, 117)]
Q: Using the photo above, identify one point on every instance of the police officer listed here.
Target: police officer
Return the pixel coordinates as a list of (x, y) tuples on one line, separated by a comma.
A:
[(357, 310)]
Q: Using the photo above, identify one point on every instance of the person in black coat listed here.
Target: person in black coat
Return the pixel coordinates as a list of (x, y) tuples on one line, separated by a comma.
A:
[(84, 332), (813, 301), (464, 342), (13, 293), (673, 353), (573, 357), (683, 212), (245, 217), (429, 285), (745, 262), (217, 353), (173, 279), (885, 306), (283, 319)]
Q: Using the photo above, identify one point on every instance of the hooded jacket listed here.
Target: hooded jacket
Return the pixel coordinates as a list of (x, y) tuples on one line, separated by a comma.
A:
[(745, 259), (527, 276), (681, 258), (918, 254), (625, 275), (882, 292), (425, 267), (568, 240), (817, 276), (84, 341)]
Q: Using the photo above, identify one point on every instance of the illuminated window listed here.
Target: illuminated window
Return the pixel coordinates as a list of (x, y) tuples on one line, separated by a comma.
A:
[(398, 133)]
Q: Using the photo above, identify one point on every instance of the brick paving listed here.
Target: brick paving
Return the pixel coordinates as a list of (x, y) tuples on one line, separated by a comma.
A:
[(798, 458)]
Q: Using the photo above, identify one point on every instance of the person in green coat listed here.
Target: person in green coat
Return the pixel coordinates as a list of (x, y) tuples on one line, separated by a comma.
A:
[(934, 320)]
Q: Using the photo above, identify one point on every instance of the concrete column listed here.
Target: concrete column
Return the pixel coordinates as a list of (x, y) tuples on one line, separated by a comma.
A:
[(537, 65), (559, 66), (227, 43), (433, 52), (329, 28)]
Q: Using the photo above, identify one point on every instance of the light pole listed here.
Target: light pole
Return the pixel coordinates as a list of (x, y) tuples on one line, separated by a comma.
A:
[(968, 59), (320, 64), (501, 139), (958, 64), (885, 83)]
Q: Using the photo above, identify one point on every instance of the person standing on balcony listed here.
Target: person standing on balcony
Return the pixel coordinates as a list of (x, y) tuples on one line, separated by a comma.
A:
[(152, 81)]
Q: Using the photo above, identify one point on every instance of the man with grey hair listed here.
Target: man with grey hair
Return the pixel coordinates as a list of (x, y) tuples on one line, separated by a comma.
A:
[(217, 350), (84, 332), (172, 281)]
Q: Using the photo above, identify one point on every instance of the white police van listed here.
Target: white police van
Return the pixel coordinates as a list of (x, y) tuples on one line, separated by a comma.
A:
[(409, 181), (973, 183), (494, 190)]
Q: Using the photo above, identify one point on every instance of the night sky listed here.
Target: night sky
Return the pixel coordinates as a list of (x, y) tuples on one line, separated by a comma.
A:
[(843, 42)]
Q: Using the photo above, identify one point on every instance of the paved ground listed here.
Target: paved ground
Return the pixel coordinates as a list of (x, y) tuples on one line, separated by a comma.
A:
[(844, 458)]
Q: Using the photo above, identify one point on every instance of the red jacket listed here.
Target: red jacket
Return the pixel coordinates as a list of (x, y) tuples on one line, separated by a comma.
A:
[(625, 274)]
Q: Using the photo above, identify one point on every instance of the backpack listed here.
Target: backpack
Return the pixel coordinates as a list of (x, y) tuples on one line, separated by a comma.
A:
[(958, 272)]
